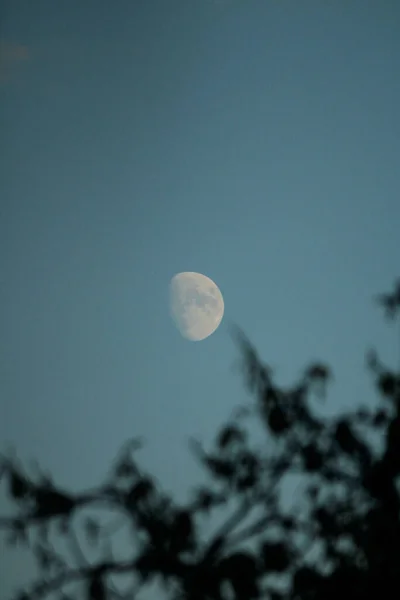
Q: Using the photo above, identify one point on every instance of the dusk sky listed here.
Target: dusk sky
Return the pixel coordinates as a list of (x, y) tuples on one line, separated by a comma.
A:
[(254, 141)]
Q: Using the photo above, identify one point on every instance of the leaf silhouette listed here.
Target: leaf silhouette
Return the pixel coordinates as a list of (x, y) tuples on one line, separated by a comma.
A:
[(19, 486), (345, 437), (125, 469), (306, 582), (388, 384), (380, 418), (140, 491), (390, 302), (276, 556), (313, 459), (182, 533), (228, 435), (96, 590), (241, 570), (318, 372), (278, 420), (51, 502)]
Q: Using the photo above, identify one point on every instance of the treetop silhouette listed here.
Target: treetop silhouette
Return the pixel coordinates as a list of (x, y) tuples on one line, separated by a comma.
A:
[(343, 540)]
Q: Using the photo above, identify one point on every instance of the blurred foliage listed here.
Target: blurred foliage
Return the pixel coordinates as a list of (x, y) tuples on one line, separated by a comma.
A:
[(345, 539)]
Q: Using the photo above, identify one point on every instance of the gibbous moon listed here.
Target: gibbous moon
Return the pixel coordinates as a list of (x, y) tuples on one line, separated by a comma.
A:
[(196, 305)]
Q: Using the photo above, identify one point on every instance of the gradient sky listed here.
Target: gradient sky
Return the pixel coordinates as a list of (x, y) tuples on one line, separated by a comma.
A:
[(257, 142)]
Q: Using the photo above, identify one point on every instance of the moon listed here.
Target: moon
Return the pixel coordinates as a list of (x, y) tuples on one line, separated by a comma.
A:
[(196, 305)]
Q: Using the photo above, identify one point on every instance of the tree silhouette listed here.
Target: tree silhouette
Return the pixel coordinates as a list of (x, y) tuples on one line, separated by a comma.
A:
[(343, 540)]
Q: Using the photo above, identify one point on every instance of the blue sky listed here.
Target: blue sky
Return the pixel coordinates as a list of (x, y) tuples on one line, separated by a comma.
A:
[(254, 141)]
